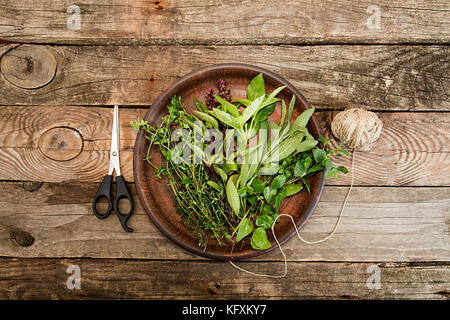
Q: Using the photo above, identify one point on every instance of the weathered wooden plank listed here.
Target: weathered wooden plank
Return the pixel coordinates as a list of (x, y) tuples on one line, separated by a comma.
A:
[(379, 224), (376, 77), (225, 21), (412, 150), (124, 279)]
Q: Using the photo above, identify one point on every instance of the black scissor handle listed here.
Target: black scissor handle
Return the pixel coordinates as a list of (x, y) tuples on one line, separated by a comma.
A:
[(123, 193), (103, 191)]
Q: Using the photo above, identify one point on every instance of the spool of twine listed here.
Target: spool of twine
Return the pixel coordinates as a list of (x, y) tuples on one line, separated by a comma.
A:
[(359, 129)]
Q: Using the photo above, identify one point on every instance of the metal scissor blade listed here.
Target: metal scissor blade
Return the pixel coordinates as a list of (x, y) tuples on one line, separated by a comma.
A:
[(114, 157)]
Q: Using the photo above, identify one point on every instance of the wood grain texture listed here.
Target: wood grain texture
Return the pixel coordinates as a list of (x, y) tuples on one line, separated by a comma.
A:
[(412, 150), (122, 279), (225, 21), (374, 77), (379, 224)]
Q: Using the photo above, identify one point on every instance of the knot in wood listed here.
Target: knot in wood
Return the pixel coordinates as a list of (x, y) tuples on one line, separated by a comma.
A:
[(21, 238), (28, 66), (61, 143)]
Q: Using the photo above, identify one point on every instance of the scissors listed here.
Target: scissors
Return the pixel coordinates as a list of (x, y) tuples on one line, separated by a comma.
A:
[(105, 190)]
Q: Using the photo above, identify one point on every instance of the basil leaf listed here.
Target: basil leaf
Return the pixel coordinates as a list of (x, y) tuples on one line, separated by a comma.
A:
[(299, 169), (278, 182), (232, 196), (258, 186), (252, 199), (264, 221), (292, 189), (267, 209), (245, 228), (306, 183), (264, 113), (269, 194), (259, 240), (256, 87), (319, 155)]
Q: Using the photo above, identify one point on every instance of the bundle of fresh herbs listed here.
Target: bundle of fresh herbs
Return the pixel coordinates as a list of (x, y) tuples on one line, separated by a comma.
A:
[(230, 167)]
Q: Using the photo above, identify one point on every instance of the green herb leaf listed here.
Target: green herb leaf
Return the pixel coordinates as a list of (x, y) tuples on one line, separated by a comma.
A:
[(299, 169), (228, 107), (269, 194), (252, 109), (302, 119), (264, 113), (306, 145), (259, 240), (208, 119), (278, 182), (245, 228), (292, 189), (258, 186), (319, 155), (244, 102), (232, 196), (214, 185), (267, 209), (291, 108), (227, 118), (256, 87), (221, 173), (264, 221), (307, 186)]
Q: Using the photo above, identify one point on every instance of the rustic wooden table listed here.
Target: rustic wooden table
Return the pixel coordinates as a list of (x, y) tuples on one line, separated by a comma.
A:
[(63, 66)]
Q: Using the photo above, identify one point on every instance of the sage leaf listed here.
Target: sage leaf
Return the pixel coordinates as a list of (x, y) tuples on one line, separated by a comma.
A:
[(214, 185), (252, 109), (245, 228), (306, 145), (227, 118), (302, 119), (208, 119), (291, 108), (256, 87), (244, 102), (229, 107), (283, 113), (232, 196), (259, 239), (221, 173)]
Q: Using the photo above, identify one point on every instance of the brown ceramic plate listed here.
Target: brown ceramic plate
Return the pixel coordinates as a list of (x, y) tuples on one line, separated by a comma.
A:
[(156, 196)]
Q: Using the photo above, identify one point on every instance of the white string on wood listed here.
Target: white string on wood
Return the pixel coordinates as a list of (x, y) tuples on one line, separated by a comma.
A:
[(359, 129)]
